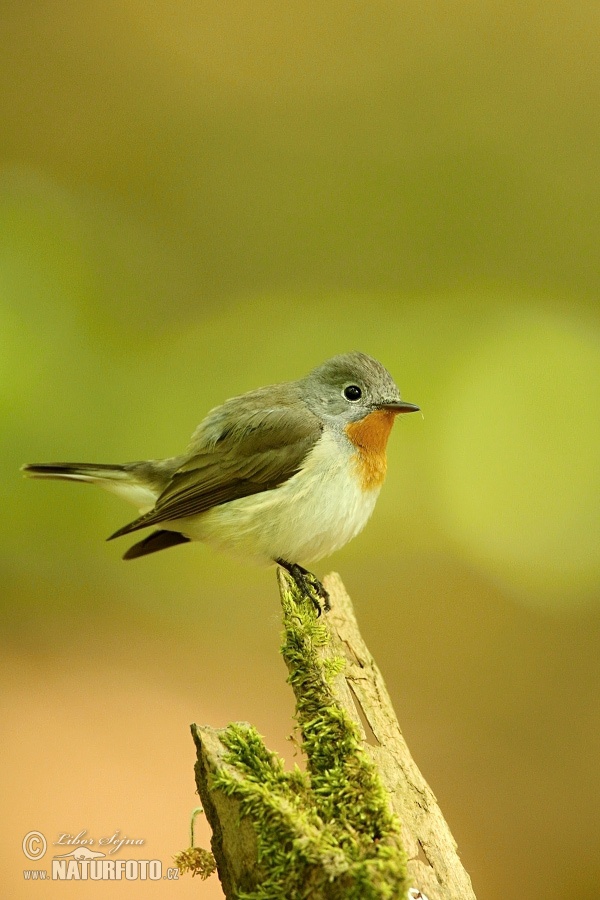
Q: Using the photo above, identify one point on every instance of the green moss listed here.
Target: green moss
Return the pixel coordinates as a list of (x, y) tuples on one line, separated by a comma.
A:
[(328, 833), (197, 861)]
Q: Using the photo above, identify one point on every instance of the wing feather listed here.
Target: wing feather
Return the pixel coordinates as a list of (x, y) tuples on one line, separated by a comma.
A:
[(235, 453)]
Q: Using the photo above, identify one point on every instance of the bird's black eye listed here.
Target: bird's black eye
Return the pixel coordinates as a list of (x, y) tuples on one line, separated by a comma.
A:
[(352, 392)]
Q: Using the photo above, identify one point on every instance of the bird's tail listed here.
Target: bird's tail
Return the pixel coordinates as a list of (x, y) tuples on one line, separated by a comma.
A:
[(90, 472), (134, 482), (128, 482)]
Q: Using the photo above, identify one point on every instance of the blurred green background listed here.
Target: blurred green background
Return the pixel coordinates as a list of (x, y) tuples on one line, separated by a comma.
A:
[(200, 198)]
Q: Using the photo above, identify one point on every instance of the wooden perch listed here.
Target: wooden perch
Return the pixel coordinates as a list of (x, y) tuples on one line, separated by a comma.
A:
[(361, 823)]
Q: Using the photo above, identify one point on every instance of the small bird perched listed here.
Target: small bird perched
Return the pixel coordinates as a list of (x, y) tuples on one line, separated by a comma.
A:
[(282, 474)]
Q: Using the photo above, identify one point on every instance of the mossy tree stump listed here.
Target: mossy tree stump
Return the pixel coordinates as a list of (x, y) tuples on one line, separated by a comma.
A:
[(361, 823)]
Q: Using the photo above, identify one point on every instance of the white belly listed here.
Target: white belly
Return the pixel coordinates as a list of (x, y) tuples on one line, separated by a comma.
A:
[(309, 516)]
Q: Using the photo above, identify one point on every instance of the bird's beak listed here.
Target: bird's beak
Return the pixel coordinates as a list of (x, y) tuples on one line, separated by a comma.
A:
[(400, 406)]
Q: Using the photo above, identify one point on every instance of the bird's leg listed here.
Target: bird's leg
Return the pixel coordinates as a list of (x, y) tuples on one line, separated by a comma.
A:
[(309, 584)]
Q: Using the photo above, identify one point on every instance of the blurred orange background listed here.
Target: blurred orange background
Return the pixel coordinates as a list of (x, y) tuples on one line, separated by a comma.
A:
[(200, 198)]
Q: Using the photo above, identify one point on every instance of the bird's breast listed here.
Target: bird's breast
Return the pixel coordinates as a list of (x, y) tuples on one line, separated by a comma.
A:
[(370, 436)]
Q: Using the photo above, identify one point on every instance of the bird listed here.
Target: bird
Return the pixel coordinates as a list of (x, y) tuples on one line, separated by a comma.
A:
[(285, 474)]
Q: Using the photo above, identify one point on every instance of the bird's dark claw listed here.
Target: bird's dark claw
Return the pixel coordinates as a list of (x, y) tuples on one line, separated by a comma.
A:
[(309, 584)]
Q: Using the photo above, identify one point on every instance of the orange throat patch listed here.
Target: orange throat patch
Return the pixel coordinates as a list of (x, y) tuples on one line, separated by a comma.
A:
[(370, 437)]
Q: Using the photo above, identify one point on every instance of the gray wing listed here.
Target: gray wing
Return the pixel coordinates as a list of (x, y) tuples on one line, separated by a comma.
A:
[(235, 452)]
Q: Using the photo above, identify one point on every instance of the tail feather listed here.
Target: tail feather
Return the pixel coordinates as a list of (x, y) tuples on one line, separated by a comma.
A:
[(121, 480), (158, 540), (76, 471), (130, 482)]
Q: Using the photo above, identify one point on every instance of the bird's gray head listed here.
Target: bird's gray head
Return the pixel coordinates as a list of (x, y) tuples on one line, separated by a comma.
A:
[(350, 386)]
